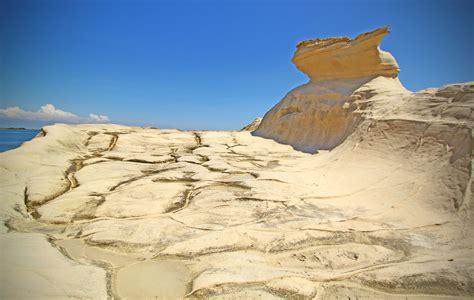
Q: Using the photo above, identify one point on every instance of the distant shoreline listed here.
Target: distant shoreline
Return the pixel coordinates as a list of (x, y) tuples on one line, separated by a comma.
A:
[(17, 128)]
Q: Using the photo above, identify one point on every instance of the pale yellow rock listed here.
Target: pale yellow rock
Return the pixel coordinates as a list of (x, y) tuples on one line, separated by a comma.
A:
[(386, 214), (32, 269), (319, 115), (343, 58), (294, 286), (272, 212), (252, 126)]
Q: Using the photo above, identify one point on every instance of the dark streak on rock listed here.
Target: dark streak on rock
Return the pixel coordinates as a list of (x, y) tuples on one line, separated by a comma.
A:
[(126, 182), (113, 142), (187, 197), (197, 138)]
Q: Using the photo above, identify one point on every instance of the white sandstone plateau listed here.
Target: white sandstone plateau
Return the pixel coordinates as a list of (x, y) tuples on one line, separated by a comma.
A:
[(109, 211)]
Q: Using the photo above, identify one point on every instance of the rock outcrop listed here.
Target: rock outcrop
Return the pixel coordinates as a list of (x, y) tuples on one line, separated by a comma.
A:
[(345, 58), (109, 211), (252, 126), (319, 115)]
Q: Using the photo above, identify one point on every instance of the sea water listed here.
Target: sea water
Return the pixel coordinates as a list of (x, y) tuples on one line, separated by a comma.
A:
[(11, 139)]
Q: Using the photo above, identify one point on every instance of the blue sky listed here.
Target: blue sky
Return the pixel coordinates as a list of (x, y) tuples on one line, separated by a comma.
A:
[(203, 64)]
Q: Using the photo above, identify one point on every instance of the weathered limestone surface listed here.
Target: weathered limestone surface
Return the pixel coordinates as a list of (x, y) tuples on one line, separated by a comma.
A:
[(252, 126), (388, 211), (97, 211), (322, 113), (33, 269)]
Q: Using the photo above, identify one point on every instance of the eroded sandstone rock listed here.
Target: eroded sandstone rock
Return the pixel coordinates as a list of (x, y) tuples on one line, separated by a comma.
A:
[(345, 58), (319, 115), (387, 214), (252, 126)]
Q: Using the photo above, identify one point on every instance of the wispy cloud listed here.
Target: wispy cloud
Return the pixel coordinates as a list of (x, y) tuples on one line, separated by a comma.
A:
[(98, 118), (49, 113)]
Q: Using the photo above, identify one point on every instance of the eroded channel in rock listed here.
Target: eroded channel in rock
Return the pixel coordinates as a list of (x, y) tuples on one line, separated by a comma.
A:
[(168, 213)]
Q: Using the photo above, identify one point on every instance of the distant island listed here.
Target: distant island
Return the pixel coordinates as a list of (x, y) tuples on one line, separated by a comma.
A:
[(16, 128), (351, 186)]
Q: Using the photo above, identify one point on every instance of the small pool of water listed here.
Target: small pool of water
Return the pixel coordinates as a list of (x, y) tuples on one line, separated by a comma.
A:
[(153, 279)]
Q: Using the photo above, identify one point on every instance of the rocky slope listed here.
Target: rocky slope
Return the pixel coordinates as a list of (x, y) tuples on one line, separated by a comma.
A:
[(101, 211)]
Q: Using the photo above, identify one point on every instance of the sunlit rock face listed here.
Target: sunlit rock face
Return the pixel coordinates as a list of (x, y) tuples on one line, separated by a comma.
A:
[(252, 126), (320, 115), (343, 58), (103, 211)]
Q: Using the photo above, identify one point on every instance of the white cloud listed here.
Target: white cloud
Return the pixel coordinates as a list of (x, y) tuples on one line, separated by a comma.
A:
[(99, 118), (49, 113)]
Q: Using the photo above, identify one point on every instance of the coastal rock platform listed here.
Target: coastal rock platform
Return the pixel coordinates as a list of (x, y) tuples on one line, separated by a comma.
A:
[(215, 214), (351, 188)]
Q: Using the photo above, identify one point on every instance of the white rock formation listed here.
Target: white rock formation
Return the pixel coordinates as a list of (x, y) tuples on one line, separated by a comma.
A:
[(319, 115), (86, 211), (252, 126), (33, 269)]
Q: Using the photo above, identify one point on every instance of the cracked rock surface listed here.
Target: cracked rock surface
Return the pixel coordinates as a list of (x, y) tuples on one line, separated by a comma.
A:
[(109, 211)]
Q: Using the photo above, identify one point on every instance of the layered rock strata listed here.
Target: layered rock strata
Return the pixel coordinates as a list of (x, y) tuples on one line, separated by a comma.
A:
[(319, 115)]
